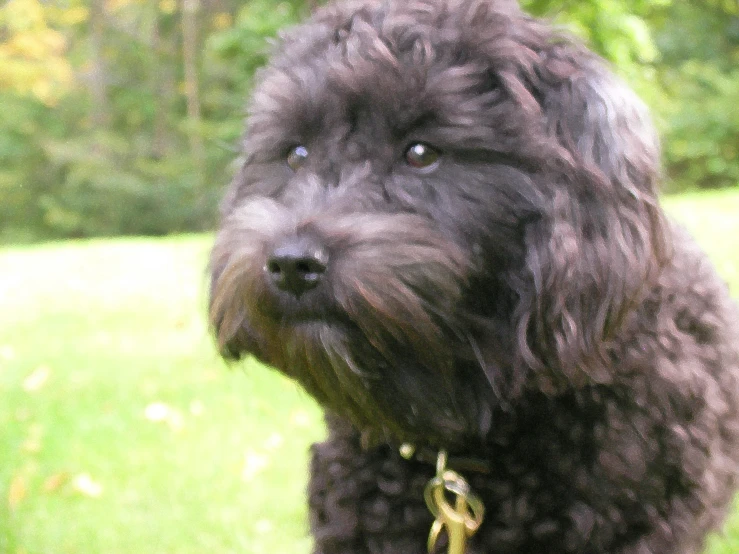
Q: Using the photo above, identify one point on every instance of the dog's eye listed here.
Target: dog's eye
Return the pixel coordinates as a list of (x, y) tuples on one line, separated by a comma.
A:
[(421, 156), (297, 157)]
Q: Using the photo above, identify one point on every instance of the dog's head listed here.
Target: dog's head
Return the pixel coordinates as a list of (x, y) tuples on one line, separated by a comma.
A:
[(442, 203)]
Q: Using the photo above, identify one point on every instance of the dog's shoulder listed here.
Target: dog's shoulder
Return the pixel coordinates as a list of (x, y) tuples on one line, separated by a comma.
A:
[(694, 299)]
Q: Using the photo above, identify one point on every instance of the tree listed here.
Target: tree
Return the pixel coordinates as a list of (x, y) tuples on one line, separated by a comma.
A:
[(122, 116)]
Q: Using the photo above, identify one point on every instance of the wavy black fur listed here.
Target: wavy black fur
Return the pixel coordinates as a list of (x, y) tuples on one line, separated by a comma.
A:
[(524, 301)]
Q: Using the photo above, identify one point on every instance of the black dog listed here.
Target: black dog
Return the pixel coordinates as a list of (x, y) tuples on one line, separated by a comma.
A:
[(446, 229)]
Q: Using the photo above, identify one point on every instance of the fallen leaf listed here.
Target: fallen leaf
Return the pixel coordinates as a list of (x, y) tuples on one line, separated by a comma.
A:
[(32, 443), (263, 526), (254, 463), (157, 411), (56, 481), (274, 441), (197, 408), (36, 379), (175, 420), (17, 491), (161, 412), (86, 485), (299, 418), (212, 375), (7, 352)]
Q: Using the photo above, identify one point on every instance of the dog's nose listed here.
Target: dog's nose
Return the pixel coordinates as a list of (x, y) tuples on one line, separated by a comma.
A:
[(297, 265)]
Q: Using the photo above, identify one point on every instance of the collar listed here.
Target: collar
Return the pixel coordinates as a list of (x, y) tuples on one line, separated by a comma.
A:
[(462, 464)]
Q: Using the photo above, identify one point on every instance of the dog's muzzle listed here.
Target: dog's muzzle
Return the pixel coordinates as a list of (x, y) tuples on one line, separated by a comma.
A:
[(297, 265)]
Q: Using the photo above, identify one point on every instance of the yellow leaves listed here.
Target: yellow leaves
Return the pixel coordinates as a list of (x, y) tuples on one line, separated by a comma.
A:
[(222, 20), (46, 81), (26, 15), (22, 15), (167, 6), (17, 491), (116, 5), (70, 16), (55, 482), (35, 45), (32, 54), (22, 485)]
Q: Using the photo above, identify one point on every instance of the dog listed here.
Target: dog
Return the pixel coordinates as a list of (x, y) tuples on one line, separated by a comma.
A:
[(446, 229)]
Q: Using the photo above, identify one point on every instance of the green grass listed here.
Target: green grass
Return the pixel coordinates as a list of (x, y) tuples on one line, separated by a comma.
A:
[(91, 335), (121, 431), (713, 218)]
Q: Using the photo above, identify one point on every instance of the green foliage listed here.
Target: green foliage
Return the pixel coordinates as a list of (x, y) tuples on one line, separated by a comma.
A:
[(613, 28), (25, 175), (712, 219), (699, 82), (244, 45), (682, 58), (98, 134), (106, 189)]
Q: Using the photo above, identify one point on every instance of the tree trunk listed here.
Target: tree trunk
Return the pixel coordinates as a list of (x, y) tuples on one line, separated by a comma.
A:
[(192, 93), (159, 143), (100, 112)]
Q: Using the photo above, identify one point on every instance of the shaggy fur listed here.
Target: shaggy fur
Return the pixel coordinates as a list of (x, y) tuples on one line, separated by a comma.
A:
[(521, 300)]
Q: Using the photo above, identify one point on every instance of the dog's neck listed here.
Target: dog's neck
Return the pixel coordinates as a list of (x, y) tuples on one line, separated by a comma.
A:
[(425, 453), (428, 455)]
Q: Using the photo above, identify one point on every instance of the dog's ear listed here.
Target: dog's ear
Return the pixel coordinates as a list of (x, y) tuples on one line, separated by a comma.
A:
[(227, 320), (600, 244)]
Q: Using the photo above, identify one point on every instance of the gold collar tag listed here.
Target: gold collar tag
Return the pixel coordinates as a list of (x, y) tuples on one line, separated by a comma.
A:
[(462, 517)]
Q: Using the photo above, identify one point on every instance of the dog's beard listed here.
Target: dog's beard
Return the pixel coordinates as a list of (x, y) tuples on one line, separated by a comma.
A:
[(378, 340)]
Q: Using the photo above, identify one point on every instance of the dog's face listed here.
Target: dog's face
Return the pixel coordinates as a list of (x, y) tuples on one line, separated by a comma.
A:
[(441, 205)]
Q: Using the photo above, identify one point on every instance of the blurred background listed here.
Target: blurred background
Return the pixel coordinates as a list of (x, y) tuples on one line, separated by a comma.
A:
[(120, 430), (123, 116)]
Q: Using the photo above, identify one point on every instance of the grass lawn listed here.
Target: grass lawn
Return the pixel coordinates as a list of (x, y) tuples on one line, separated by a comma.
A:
[(120, 430)]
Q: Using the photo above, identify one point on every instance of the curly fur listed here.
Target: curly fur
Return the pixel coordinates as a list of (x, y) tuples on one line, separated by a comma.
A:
[(525, 301)]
